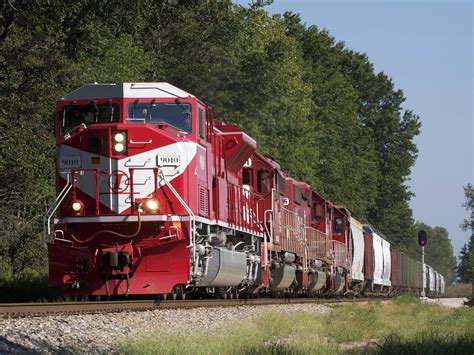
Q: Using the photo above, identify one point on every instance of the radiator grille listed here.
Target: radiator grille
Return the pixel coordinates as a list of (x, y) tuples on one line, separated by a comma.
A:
[(203, 201)]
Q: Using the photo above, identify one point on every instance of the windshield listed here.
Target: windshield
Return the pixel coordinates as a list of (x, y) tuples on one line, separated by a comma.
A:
[(177, 115), (74, 115)]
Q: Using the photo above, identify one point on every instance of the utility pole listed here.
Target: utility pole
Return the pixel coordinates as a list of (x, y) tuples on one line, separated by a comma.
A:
[(422, 237)]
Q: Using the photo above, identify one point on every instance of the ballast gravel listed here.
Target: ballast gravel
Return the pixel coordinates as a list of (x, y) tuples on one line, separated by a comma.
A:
[(98, 333)]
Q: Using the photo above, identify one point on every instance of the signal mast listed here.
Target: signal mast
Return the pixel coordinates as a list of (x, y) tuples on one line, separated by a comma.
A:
[(422, 238)]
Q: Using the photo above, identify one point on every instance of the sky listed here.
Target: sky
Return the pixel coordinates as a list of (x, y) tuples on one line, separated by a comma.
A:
[(426, 47)]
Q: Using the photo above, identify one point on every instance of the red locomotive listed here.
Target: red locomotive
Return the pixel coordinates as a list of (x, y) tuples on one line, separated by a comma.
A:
[(155, 197)]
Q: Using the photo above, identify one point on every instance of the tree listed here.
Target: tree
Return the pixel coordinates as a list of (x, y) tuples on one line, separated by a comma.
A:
[(346, 166), (29, 89), (465, 269), (392, 131)]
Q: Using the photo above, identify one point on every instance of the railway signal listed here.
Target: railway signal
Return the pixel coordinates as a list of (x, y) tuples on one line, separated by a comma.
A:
[(422, 238)]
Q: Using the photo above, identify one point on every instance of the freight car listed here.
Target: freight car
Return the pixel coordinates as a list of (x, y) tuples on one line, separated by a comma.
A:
[(154, 197)]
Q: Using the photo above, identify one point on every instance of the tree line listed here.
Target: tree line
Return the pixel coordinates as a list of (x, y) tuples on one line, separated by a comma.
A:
[(318, 108), (465, 269)]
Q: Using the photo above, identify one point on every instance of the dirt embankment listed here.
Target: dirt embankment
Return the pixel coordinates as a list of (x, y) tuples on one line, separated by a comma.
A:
[(460, 290)]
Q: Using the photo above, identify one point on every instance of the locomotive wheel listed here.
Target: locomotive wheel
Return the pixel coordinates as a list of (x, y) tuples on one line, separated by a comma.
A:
[(180, 293)]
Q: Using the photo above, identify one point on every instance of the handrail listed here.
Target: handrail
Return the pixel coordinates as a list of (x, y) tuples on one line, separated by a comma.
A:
[(243, 208), (316, 241), (50, 212), (192, 221), (270, 235), (293, 222), (147, 142), (339, 254), (269, 232)]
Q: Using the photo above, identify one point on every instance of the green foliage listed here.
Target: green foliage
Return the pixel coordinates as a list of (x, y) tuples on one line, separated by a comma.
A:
[(27, 89), (346, 168), (110, 59), (406, 299), (465, 269), (29, 287)]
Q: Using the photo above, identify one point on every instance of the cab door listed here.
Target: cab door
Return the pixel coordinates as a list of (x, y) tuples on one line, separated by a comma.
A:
[(202, 160)]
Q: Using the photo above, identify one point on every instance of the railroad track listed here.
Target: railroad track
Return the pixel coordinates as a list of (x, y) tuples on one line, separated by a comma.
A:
[(15, 310)]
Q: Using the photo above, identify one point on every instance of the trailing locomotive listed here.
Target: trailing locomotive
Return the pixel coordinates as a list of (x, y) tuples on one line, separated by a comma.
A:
[(155, 197)]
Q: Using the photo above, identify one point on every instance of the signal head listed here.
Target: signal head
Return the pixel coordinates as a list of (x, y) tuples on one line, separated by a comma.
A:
[(422, 238)]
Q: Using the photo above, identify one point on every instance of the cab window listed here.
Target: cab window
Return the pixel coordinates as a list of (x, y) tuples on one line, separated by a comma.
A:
[(263, 181), (177, 115), (246, 177), (72, 116), (338, 225)]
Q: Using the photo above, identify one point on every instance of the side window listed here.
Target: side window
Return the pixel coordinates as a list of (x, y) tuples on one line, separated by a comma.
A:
[(313, 212), (338, 225), (280, 182), (246, 177), (263, 181), (202, 124), (297, 193)]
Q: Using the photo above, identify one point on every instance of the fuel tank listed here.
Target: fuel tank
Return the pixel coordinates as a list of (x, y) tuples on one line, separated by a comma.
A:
[(282, 276), (226, 268), (316, 281)]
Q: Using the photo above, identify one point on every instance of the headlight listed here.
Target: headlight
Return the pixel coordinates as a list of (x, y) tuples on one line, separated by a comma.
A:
[(119, 142), (77, 207), (119, 147), (119, 137), (151, 205)]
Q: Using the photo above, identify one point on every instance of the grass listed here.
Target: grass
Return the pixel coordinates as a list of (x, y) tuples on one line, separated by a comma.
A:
[(404, 326), (273, 333), (32, 287)]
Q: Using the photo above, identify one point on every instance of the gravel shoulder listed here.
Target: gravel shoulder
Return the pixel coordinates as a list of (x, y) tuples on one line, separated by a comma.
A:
[(447, 302), (98, 333)]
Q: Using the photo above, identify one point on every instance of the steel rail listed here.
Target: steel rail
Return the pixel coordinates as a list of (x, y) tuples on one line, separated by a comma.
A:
[(18, 310)]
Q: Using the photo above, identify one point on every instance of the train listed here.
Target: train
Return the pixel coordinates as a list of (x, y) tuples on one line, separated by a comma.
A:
[(157, 198)]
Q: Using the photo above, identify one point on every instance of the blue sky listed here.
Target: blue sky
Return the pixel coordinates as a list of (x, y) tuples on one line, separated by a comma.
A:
[(427, 49)]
